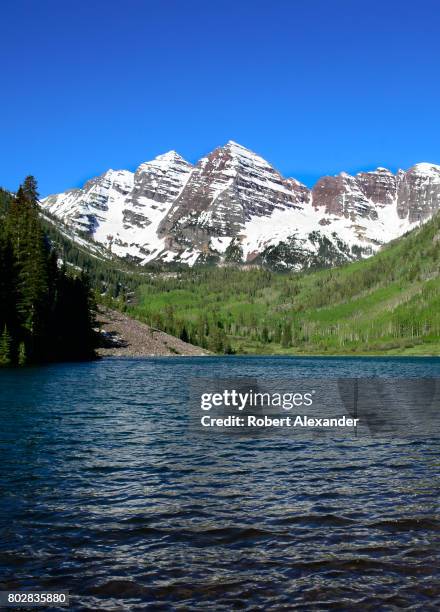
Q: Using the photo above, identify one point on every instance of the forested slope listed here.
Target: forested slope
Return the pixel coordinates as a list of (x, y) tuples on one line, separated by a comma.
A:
[(46, 313)]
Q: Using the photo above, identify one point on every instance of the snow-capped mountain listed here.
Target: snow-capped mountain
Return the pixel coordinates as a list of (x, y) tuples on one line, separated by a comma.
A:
[(234, 206)]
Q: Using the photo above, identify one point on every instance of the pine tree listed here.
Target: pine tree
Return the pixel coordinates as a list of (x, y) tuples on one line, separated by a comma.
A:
[(22, 354), (184, 335), (32, 255), (286, 338), (30, 191), (218, 342), (7, 284), (5, 348)]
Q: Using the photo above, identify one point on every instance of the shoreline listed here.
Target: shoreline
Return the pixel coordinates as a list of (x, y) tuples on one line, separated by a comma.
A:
[(124, 336)]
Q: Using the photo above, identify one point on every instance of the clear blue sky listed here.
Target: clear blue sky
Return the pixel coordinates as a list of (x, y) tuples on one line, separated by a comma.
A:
[(315, 87)]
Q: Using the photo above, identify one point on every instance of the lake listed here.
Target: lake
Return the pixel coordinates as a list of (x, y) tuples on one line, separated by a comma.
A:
[(108, 493)]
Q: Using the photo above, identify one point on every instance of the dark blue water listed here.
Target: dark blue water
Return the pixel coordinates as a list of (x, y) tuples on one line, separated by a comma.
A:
[(105, 492)]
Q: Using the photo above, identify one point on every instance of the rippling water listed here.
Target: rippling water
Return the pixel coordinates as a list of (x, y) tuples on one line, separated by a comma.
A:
[(106, 492)]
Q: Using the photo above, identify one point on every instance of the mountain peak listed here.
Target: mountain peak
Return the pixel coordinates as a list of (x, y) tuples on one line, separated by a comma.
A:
[(170, 156), (382, 170), (233, 143), (241, 153), (235, 147), (165, 160), (426, 168)]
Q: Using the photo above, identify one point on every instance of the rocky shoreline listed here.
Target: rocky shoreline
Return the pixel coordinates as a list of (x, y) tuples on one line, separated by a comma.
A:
[(121, 336)]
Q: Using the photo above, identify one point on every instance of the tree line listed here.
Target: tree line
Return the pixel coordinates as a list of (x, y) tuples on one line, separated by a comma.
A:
[(46, 313)]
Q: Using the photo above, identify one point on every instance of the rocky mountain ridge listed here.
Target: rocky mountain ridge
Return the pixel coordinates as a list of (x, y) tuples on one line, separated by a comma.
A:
[(233, 205)]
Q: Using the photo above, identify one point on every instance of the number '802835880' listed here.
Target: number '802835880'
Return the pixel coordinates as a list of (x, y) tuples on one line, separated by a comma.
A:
[(33, 598)]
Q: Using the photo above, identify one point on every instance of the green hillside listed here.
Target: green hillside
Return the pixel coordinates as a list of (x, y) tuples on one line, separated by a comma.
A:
[(388, 304)]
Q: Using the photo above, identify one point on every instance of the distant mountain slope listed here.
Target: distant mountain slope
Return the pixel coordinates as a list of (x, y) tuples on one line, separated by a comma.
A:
[(389, 303), (234, 206), (110, 276)]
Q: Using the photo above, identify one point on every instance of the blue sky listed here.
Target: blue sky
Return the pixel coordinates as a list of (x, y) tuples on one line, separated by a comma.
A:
[(315, 87)]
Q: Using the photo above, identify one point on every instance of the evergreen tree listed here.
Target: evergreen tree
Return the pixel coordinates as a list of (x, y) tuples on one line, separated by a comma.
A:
[(5, 348), (30, 190), (22, 354), (32, 259), (218, 342), (184, 335), (286, 337), (8, 283)]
